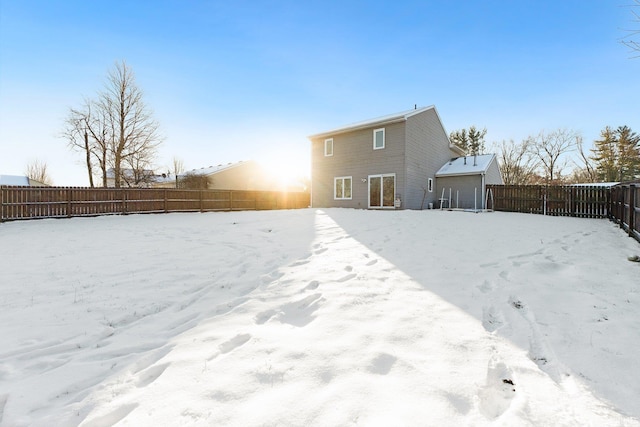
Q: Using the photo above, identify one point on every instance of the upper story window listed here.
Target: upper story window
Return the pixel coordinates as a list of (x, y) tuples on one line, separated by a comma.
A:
[(378, 139), (328, 147)]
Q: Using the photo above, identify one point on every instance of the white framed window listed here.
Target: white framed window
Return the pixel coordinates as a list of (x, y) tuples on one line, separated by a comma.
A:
[(328, 147), (342, 188), (430, 185), (378, 139)]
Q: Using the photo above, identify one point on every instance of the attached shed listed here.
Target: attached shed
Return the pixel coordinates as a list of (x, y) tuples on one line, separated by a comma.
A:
[(461, 182)]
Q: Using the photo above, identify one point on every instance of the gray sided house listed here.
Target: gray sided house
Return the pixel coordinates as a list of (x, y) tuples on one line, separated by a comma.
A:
[(385, 163), (461, 182)]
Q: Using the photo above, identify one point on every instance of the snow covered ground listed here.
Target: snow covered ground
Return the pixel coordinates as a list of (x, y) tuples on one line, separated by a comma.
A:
[(319, 318)]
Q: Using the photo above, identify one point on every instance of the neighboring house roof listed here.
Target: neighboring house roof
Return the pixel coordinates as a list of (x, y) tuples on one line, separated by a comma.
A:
[(595, 184), (384, 120), (467, 165), (211, 170), (20, 181), (14, 180), (128, 173)]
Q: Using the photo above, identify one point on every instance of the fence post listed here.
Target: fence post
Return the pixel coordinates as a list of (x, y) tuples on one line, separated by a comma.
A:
[(621, 206), (124, 201), (632, 209), (165, 200), (68, 203)]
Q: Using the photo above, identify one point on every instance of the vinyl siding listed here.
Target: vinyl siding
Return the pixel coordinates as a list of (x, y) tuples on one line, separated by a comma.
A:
[(248, 176), (427, 150), (353, 155), (465, 187), (493, 175)]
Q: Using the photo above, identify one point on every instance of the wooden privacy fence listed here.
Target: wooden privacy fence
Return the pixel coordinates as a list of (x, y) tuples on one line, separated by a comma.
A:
[(17, 203), (560, 200), (620, 203), (625, 207)]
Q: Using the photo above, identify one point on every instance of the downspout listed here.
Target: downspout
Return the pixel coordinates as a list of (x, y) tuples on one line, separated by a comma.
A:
[(483, 204)]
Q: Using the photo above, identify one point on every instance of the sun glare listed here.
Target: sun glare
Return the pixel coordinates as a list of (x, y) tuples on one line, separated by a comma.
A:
[(288, 172)]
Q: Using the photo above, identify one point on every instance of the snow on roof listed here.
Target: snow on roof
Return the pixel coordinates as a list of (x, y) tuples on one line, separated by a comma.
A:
[(595, 184), (466, 165), (391, 118), (14, 180), (214, 169)]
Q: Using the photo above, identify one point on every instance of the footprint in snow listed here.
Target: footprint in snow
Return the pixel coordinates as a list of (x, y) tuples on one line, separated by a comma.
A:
[(312, 285), (382, 364), (234, 343), (347, 277), (300, 313), (151, 374), (492, 319), (500, 389), (264, 316), (112, 417)]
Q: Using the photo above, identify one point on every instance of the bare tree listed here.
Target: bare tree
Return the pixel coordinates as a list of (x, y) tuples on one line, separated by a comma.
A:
[(88, 131), (586, 169), (517, 163), (120, 130), (177, 168), (549, 149), (628, 41), (37, 171)]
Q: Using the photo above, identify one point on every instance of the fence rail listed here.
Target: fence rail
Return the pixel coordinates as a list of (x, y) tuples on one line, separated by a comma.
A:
[(561, 200), (18, 203)]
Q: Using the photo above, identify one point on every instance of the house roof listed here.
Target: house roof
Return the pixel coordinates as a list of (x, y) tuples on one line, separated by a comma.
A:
[(14, 180), (211, 170), (391, 118), (466, 165), (385, 120)]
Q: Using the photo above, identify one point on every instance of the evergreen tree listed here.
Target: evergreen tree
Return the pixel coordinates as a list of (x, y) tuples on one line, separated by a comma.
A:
[(605, 156), (476, 141), (460, 138), (471, 141), (629, 153), (617, 154)]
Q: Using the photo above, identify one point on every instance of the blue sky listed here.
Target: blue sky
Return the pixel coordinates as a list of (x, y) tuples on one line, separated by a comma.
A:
[(241, 80)]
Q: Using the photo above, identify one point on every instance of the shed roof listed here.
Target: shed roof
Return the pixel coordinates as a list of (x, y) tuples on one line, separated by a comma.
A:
[(466, 165), (391, 118), (14, 180)]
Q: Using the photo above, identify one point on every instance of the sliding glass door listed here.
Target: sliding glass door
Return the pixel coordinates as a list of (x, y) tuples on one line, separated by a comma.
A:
[(382, 190)]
